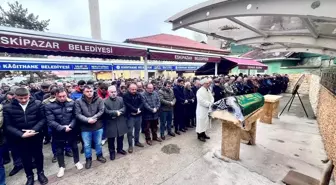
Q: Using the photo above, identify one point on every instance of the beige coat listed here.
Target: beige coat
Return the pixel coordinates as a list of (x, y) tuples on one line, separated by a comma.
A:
[(204, 101)]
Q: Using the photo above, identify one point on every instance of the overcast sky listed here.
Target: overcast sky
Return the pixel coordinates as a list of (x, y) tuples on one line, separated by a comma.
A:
[(120, 19)]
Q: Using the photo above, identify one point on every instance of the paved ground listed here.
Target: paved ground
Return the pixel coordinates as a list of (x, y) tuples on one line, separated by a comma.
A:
[(292, 142)]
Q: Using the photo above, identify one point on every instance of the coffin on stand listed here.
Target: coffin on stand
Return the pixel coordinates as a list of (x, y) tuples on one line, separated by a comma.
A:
[(233, 132)]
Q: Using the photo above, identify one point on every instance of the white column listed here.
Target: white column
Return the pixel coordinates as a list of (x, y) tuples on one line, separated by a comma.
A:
[(146, 68), (112, 77), (216, 69), (95, 19)]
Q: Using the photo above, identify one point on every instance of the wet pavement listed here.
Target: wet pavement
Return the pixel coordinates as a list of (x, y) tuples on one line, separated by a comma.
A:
[(292, 142)]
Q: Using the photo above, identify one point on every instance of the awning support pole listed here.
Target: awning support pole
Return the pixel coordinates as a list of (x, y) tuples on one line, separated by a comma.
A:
[(216, 69), (146, 68), (112, 77)]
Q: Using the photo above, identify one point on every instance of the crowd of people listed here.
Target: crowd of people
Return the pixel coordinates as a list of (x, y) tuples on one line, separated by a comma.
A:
[(94, 113)]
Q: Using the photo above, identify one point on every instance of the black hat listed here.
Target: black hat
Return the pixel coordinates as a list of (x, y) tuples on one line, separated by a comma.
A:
[(81, 82), (90, 82), (180, 80)]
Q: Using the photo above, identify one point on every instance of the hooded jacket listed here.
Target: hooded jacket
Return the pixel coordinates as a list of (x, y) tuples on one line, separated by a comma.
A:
[(100, 94), (77, 94)]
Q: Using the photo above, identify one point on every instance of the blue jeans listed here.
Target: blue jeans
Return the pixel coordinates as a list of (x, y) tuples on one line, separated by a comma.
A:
[(2, 168), (133, 123), (96, 136), (166, 118)]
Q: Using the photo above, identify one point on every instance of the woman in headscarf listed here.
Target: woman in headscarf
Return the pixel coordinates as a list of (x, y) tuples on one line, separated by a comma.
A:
[(204, 102)]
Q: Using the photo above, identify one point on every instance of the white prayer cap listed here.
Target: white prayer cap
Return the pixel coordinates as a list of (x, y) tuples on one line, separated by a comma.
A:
[(204, 80)]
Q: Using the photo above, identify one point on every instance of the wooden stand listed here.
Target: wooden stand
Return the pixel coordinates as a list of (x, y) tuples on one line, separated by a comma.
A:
[(270, 107), (233, 133)]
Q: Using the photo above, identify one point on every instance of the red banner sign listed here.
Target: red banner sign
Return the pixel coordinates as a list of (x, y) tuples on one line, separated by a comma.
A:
[(34, 43)]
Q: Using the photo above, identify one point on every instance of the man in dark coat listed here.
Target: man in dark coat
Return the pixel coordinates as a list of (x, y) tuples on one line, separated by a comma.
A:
[(168, 101), (61, 118), (14, 151), (217, 91), (134, 107), (116, 126), (179, 107), (240, 86), (190, 96), (195, 88), (44, 90), (40, 95), (285, 80), (89, 110), (24, 121), (2, 149), (33, 88)]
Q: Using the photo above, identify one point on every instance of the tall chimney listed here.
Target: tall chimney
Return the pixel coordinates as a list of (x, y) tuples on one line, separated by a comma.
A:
[(95, 19)]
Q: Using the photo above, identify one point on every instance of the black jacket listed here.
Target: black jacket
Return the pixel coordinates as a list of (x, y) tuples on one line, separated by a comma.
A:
[(133, 103), (39, 95), (189, 95), (16, 119), (194, 89), (59, 115), (240, 87), (86, 110), (2, 137), (179, 95), (218, 92)]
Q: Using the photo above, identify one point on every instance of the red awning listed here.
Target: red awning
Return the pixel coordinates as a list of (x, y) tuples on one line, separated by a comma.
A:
[(15, 40), (183, 57), (247, 63)]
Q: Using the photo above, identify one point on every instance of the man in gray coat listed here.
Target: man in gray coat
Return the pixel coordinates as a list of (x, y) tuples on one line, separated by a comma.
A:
[(89, 110), (228, 86), (152, 105), (116, 126)]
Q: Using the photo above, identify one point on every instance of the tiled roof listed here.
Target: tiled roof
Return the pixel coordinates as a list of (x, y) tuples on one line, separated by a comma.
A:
[(168, 40)]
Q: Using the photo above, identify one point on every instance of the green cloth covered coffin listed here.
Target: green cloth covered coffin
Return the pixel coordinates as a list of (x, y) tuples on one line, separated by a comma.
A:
[(250, 102)]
